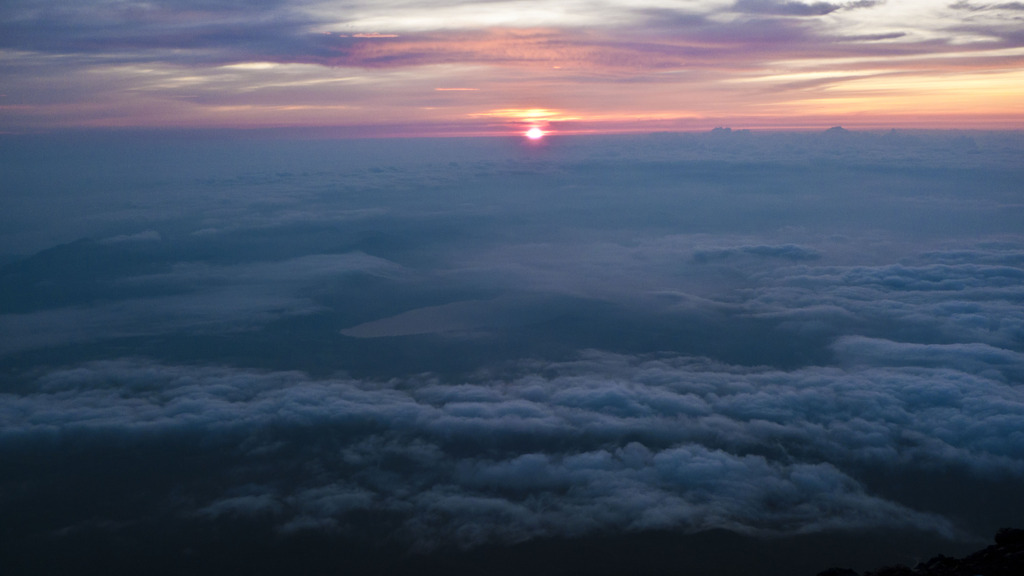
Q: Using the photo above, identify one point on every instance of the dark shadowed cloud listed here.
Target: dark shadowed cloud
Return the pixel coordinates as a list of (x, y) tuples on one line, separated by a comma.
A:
[(656, 443)]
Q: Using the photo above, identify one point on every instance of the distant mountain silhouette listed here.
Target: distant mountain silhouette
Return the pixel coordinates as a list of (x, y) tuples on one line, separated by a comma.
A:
[(1004, 558)]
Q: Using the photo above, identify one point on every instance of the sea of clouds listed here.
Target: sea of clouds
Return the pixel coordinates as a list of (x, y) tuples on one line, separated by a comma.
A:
[(474, 344)]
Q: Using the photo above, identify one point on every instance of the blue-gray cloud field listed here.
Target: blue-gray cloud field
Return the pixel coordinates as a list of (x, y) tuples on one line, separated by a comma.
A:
[(620, 354)]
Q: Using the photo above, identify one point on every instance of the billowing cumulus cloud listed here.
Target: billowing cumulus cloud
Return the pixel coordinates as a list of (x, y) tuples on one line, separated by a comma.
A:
[(604, 442)]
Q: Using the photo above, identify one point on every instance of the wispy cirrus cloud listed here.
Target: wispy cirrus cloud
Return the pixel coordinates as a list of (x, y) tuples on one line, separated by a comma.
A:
[(698, 48), (784, 8), (980, 6), (281, 34)]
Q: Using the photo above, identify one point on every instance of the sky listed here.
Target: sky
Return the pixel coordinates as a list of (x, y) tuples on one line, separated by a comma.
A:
[(719, 353), (446, 67)]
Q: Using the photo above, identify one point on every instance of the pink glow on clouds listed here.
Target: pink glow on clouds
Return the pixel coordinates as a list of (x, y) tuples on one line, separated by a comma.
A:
[(763, 64)]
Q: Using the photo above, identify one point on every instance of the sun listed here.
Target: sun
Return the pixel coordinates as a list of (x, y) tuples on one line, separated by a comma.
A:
[(534, 133)]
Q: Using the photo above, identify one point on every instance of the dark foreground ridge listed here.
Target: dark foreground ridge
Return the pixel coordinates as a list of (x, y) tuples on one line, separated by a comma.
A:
[(1004, 558)]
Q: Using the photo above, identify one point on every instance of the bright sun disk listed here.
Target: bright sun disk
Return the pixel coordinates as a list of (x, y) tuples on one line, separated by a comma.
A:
[(534, 133)]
